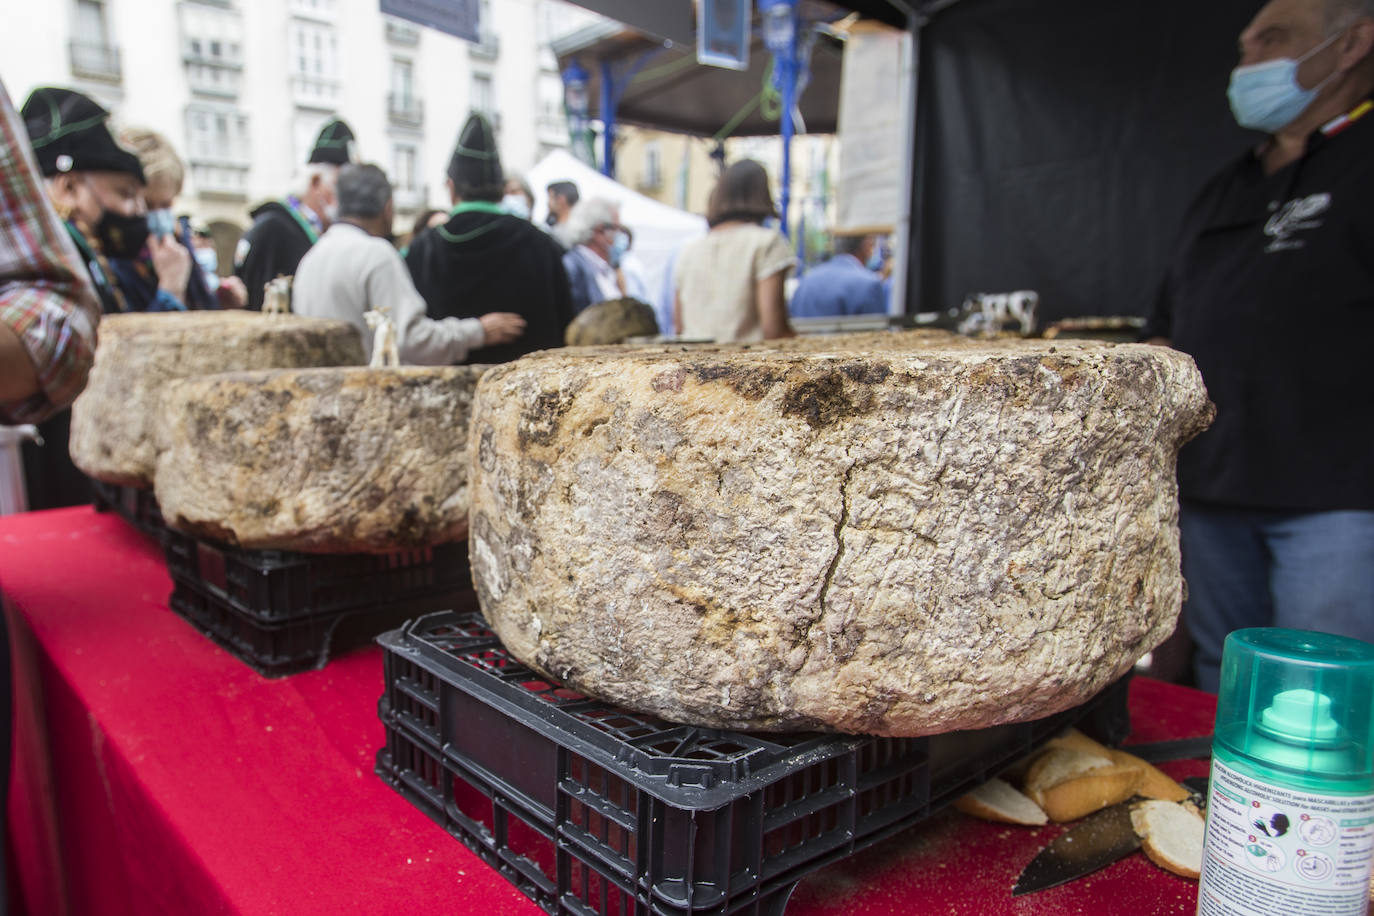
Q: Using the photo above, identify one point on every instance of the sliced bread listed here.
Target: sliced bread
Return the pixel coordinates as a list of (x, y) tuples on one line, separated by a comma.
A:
[(1069, 783), (1153, 784), (1171, 835), (996, 800)]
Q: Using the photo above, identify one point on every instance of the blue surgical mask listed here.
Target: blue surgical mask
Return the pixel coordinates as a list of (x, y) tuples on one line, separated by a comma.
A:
[(516, 205), (1268, 96), (619, 246), (161, 222), (875, 260), (208, 260)]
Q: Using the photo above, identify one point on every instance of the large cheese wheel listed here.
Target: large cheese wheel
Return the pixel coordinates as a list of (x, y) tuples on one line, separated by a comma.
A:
[(112, 421), (883, 540), (341, 460)]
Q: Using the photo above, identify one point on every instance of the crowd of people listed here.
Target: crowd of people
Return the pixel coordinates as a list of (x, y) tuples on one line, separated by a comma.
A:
[(476, 282)]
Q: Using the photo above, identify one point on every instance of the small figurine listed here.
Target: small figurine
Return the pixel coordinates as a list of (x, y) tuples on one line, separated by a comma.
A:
[(277, 296), (384, 351)]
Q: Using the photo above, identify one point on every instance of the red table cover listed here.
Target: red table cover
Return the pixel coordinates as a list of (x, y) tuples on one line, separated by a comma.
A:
[(155, 773)]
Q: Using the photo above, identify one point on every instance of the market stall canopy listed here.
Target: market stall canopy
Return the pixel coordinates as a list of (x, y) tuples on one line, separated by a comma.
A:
[(676, 21), (671, 91)]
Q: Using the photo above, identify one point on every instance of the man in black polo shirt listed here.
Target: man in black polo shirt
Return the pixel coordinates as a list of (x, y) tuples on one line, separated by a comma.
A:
[(1271, 291)]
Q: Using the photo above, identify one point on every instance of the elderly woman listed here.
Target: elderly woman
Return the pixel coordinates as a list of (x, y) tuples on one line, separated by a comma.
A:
[(141, 278), (730, 283)]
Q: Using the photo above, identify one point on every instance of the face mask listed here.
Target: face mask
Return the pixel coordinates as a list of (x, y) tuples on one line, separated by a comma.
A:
[(1267, 96), (875, 261), (516, 205), (121, 236), (331, 213), (208, 260), (551, 220), (161, 223), (619, 246)]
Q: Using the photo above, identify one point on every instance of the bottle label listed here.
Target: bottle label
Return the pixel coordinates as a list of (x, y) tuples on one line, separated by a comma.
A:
[(1271, 851)]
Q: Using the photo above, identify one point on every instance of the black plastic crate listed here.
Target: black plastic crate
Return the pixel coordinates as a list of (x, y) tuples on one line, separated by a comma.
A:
[(282, 612), (280, 585), (591, 809), (306, 643), (137, 507)]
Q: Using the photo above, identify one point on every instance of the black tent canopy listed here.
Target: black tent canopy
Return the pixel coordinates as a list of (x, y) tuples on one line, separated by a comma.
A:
[(1054, 147), (667, 90)]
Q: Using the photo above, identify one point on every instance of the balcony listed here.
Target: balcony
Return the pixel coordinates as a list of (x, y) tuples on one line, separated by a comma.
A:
[(220, 180), (405, 110), (214, 78), (97, 61), (318, 10), (315, 92), (487, 47), (399, 32)]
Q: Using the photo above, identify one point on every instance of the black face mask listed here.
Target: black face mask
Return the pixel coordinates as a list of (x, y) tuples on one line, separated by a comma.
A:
[(551, 219), (121, 236)]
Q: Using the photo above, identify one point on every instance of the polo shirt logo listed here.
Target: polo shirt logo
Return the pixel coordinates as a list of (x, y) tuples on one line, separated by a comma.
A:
[(1295, 216)]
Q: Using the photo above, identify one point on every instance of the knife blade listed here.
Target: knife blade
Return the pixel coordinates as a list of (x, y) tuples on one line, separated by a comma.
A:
[(1093, 843)]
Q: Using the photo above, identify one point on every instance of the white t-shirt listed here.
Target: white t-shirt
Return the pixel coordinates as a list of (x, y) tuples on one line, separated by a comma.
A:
[(347, 272), (716, 277)]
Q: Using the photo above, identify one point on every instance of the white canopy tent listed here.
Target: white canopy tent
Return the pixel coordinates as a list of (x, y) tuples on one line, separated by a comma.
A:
[(659, 230)]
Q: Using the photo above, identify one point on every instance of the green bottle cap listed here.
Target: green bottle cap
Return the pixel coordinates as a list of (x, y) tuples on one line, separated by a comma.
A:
[(1301, 702)]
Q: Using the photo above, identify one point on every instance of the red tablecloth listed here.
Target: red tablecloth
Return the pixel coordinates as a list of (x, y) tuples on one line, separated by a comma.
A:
[(154, 773)]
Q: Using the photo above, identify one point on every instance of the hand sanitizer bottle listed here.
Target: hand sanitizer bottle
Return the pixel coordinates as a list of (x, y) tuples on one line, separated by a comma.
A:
[(1290, 820)]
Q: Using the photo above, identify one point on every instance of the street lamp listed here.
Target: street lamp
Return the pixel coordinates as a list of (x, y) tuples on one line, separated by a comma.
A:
[(577, 107)]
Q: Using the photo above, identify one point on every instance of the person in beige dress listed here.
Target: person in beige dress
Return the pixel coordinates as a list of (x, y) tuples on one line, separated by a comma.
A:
[(729, 284)]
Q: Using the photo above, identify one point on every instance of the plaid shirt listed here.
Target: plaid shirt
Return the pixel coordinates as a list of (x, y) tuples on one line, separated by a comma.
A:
[(45, 293)]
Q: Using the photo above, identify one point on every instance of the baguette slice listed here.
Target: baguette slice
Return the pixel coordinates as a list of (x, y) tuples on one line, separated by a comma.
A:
[(1171, 835), (1093, 791), (996, 800), (1154, 783), (1075, 740), (1060, 764)]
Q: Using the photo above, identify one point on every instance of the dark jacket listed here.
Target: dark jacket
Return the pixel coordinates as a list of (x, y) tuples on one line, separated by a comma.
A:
[(272, 247), (138, 282), (481, 262)]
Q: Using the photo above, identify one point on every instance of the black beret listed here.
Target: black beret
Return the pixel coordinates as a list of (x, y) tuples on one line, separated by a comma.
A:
[(334, 144), (475, 162), (69, 134)]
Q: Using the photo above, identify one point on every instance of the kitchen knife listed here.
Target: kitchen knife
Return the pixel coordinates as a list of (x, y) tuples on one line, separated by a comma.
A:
[(1094, 842)]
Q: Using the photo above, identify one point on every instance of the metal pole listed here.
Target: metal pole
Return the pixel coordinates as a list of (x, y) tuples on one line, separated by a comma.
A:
[(902, 245), (789, 99), (608, 104)]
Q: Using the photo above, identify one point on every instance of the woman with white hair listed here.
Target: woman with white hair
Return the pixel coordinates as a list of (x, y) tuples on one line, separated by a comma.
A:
[(598, 244)]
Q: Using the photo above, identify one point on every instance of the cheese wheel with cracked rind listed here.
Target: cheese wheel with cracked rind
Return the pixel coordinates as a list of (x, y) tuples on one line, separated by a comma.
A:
[(900, 535)]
